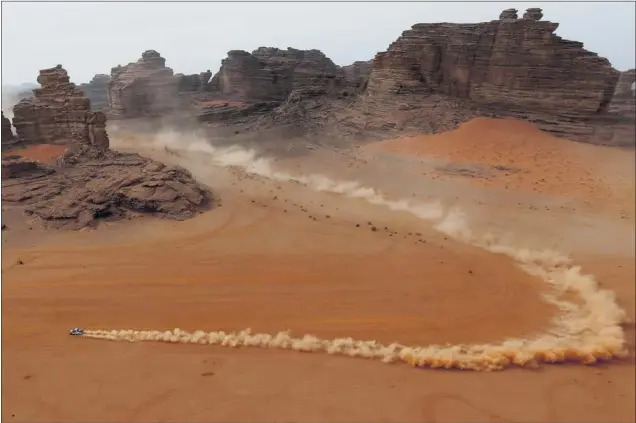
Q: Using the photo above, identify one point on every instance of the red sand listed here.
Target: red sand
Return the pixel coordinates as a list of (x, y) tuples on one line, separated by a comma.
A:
[(260, 261), (552, 165), (43, 153)]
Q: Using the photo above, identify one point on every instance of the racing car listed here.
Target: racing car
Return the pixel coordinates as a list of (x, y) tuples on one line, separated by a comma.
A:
[(76, 331)]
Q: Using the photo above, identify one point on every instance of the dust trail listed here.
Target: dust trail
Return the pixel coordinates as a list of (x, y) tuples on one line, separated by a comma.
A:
[(588, 329)]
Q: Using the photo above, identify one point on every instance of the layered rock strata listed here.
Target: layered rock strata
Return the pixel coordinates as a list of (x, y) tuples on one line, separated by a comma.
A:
[(59, 113), (89, 181), (508, 67), (143, 88)]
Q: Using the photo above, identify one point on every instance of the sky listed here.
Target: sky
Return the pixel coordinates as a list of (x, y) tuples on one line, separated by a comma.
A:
[(90, 38)]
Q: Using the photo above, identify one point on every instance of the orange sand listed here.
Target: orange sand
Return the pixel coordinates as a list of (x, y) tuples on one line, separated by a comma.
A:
[(260, 261), (43, 153), (547, 164)]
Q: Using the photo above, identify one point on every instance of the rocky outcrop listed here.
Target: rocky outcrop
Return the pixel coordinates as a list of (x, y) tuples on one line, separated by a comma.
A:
[(143, 88), (508, 67), (90, 181), (59, 113), (14, 167), (97, 91), (7, 133), (271, 74), (194, 82), (87, 187)]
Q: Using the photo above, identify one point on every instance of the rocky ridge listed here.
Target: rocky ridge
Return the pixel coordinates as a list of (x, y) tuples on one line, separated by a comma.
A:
[(431, 79), (89, 181)]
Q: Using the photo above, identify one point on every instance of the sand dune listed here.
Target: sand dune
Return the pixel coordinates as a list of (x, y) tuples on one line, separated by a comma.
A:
[(528, 160)]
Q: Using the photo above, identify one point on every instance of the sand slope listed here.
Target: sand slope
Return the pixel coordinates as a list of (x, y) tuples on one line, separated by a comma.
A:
[(528, 159)]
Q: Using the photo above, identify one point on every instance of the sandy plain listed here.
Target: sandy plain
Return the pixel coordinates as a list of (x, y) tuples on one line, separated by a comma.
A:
[(276, 255)]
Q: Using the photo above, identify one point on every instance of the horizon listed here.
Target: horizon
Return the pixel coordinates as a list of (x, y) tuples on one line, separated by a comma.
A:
[(44, 43)]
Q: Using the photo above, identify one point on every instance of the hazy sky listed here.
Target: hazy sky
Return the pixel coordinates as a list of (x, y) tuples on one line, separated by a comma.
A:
[(89, 38)]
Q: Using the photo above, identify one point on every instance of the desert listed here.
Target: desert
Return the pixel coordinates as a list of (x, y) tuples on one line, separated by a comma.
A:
[(444, 232)]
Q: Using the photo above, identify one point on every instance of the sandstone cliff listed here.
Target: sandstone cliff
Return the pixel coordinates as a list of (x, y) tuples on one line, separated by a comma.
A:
[(89, 181), (431, 79), (143, 88), (508, 67), (97, 91)]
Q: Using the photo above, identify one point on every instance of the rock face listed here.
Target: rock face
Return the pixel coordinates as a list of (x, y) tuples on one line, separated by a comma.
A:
[(97, 91), (508, 67), (432, 78), (7, 133), (271, 74), (59, 113), (616, 124), (144, 88), (90, 181), (194, 82), (357, 74)]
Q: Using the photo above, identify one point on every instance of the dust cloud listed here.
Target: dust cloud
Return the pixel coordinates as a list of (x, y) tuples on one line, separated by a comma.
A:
[(587, 330)]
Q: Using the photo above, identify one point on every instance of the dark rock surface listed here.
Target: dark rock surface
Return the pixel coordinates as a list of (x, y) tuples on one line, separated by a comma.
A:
[(86, 186)]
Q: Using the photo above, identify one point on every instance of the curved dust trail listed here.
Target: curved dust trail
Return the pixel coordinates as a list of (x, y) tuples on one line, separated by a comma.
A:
[(585, 332)]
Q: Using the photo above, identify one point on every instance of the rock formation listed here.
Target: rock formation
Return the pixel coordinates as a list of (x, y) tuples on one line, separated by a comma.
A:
[(59, 113), (143, 88), (508, 67), (89, 181), (356, 75), (7, 133), (430, 79), (97, 91), (271, 74), (194, 82), (615, 126)]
